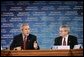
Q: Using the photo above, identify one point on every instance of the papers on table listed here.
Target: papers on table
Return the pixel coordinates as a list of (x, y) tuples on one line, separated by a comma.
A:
[(78, 46), (60, 47)]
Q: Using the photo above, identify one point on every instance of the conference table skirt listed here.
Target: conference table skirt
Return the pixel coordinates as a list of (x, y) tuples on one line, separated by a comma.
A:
[(72, 52)]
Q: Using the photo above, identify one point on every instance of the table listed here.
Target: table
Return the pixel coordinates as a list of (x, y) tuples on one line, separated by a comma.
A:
[(71, 52)]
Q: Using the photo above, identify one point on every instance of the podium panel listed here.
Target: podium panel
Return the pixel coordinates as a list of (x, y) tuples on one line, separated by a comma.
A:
[(72, 52)]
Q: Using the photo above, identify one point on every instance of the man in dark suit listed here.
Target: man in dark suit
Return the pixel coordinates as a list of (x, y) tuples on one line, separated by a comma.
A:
[(25, 40), (65, 38)]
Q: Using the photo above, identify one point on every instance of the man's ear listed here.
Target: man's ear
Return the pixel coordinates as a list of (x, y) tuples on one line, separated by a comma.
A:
[(68, 32), (22, 29)]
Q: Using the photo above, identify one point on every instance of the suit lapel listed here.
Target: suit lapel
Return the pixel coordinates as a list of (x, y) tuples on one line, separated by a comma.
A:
[(21, 38), (69, 40), (60, 42), (28, 38)]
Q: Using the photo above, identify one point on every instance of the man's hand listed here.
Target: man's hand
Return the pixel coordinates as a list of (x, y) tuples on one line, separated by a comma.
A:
[(17, 48), (35, 45)]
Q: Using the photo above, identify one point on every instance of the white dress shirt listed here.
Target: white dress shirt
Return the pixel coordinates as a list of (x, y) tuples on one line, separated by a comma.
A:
[(66, 39), (24, 37)]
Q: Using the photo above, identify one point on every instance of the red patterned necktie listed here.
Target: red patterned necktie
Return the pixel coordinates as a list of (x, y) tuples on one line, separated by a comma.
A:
[(64, 42), (24, 43)]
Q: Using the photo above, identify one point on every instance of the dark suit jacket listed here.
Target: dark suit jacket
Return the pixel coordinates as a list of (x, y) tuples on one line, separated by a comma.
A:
[(72, 40), (18, 41)]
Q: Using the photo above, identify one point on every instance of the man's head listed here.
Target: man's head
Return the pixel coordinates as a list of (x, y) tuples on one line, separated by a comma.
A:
[(25, 29), (64, 30)]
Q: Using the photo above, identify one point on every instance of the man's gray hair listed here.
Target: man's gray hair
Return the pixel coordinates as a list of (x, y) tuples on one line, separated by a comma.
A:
[(65, 26), (24, 24)]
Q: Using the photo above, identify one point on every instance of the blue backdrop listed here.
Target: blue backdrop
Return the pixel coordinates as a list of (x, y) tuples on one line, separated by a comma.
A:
[(44, 18)]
